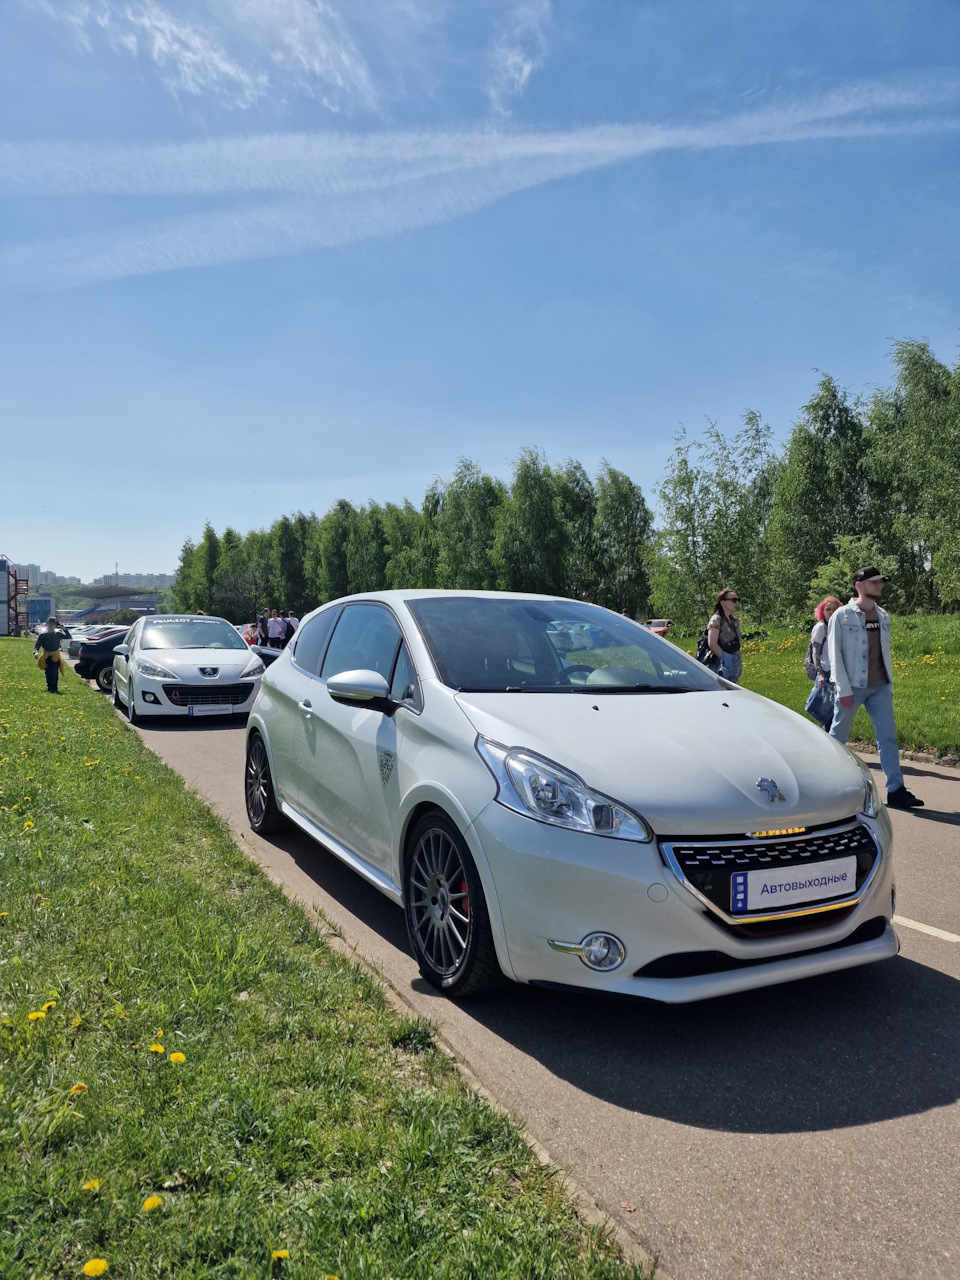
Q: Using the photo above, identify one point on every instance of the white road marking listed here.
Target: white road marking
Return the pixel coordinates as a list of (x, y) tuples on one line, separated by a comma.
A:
[(927, 928)]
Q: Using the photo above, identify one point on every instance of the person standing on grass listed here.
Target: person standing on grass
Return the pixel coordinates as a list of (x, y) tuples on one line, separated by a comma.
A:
[(263, 629), (858, 648), (48, 655), (821, 702), (723, 636)]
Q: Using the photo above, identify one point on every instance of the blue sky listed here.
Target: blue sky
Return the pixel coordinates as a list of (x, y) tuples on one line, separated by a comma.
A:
[(257, 255)]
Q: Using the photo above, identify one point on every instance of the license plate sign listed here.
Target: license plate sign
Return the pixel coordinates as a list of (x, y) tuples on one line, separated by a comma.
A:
[(786, 886), (220, 709)]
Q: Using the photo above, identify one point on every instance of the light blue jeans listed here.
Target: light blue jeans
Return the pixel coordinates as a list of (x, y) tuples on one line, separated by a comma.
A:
[(879, 706), (731, 667)]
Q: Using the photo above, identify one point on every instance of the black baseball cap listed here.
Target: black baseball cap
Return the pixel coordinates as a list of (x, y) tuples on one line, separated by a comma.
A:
[(871, 571)]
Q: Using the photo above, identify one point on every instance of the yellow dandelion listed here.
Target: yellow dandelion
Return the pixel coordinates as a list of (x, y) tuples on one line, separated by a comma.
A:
[(92, 1184), (279, 1254), (51, 1004), (95, 1267), (76, 1022), (151, 1203), (178, 1058), (27, 826), (36, 1017), (79, 1087), (159, 1035), (156, 1048)]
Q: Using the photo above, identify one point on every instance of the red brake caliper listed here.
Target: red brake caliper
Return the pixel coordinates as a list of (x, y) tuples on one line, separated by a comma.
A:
[(466, 900)]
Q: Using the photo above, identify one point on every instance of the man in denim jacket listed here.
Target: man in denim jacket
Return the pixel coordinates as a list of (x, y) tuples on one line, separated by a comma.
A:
[(858, 643)]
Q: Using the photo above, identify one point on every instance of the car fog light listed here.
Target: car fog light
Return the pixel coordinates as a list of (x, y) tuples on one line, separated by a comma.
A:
[(602, 951), (151, 697)]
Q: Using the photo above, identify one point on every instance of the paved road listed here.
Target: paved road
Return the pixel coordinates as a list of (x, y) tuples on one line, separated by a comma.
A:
[(810, 1130)]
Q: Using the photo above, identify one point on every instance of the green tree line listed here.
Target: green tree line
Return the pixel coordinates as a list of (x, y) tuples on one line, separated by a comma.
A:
[(858, 480)]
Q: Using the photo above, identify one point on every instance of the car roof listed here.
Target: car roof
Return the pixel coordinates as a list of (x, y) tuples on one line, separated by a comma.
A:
[(428, 593)]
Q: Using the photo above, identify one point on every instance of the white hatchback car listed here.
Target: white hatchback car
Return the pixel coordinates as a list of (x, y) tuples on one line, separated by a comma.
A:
[(614, 817), (184, 665)]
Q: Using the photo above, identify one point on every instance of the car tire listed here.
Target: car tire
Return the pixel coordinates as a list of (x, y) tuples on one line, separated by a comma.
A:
[(131, 702), (448, 923), (263, 813), (116, 698), (104, 679)]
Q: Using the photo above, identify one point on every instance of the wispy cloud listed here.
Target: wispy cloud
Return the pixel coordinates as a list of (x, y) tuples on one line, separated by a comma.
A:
[(517, 51), (238, 51), (284, 194)]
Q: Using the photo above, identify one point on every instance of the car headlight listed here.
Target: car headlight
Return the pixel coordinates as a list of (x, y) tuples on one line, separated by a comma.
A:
[(256, 668), (871, 797), (151, 669), (535, 787)]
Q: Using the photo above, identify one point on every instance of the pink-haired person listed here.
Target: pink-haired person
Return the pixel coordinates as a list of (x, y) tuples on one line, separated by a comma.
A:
[(821, 702)]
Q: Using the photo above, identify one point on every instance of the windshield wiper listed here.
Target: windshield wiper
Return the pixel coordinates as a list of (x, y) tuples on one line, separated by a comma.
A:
[(633, 688)]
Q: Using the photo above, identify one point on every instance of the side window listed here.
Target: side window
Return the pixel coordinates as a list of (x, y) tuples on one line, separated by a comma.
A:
[(366, 639), (311, 640), (406, 686)]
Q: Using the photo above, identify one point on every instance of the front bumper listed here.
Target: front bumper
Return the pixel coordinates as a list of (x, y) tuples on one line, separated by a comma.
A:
[(556, 885), (164, 697)]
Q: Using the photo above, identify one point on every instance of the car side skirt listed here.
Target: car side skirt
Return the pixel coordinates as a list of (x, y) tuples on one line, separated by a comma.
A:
[(353, 861)]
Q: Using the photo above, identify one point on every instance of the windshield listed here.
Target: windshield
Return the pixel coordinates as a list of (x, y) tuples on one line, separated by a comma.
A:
[(190, 633), (489, 645)]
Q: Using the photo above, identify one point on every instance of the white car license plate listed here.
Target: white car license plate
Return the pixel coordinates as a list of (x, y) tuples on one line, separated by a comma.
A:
[(786, 886), (221, 709)]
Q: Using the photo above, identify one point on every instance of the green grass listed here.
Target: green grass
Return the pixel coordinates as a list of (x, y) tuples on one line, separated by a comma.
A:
[(307, 1115), (926, 679)]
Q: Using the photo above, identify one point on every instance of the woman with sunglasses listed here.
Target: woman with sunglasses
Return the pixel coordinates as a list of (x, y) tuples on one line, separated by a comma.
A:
[(723, 635)]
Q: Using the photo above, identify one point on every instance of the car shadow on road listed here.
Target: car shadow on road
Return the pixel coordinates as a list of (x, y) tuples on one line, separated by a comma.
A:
[(352, 892), (845, 1049), (851, 1048)]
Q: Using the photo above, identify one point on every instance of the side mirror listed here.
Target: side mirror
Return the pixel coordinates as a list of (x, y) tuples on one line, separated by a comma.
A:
[(362, 688), (122, 649)]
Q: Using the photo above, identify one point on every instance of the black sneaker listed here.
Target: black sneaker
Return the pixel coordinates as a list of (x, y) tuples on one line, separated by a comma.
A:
[(903, 799)]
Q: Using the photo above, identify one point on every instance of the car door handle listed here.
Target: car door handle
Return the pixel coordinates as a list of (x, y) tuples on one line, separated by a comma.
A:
[(306, 707)]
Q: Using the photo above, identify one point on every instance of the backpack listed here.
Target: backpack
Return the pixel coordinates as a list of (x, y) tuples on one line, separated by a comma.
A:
[(809, 663)]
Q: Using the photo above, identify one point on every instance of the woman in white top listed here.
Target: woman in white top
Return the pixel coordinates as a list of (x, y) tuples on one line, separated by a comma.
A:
[(820, 703)]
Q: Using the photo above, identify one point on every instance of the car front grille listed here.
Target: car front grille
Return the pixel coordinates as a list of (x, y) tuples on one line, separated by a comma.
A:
[(707, 865), (208, 695)]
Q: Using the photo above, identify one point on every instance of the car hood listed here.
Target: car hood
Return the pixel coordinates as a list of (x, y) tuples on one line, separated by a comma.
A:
[(229, 664), (688, 763)]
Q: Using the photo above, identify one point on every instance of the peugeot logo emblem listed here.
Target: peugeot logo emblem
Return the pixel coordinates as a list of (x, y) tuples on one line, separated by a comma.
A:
[(208, 671), (771, 788)]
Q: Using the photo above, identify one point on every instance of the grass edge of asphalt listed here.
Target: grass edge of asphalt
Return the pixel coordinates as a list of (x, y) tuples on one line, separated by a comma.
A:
[(212, 1089)]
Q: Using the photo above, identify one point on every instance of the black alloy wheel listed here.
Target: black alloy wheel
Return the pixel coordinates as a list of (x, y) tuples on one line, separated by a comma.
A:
[(263, 812), (447, 919), (104, 678)]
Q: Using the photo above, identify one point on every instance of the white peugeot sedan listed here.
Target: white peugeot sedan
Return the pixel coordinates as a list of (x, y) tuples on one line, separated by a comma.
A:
[(612, 817), (184, 665)]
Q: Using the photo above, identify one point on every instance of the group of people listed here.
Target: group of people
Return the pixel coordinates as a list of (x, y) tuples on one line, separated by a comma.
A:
[(273, 629), (848, 661)]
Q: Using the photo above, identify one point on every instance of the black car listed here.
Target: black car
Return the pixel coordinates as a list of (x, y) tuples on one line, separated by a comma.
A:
[(95, 659)]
